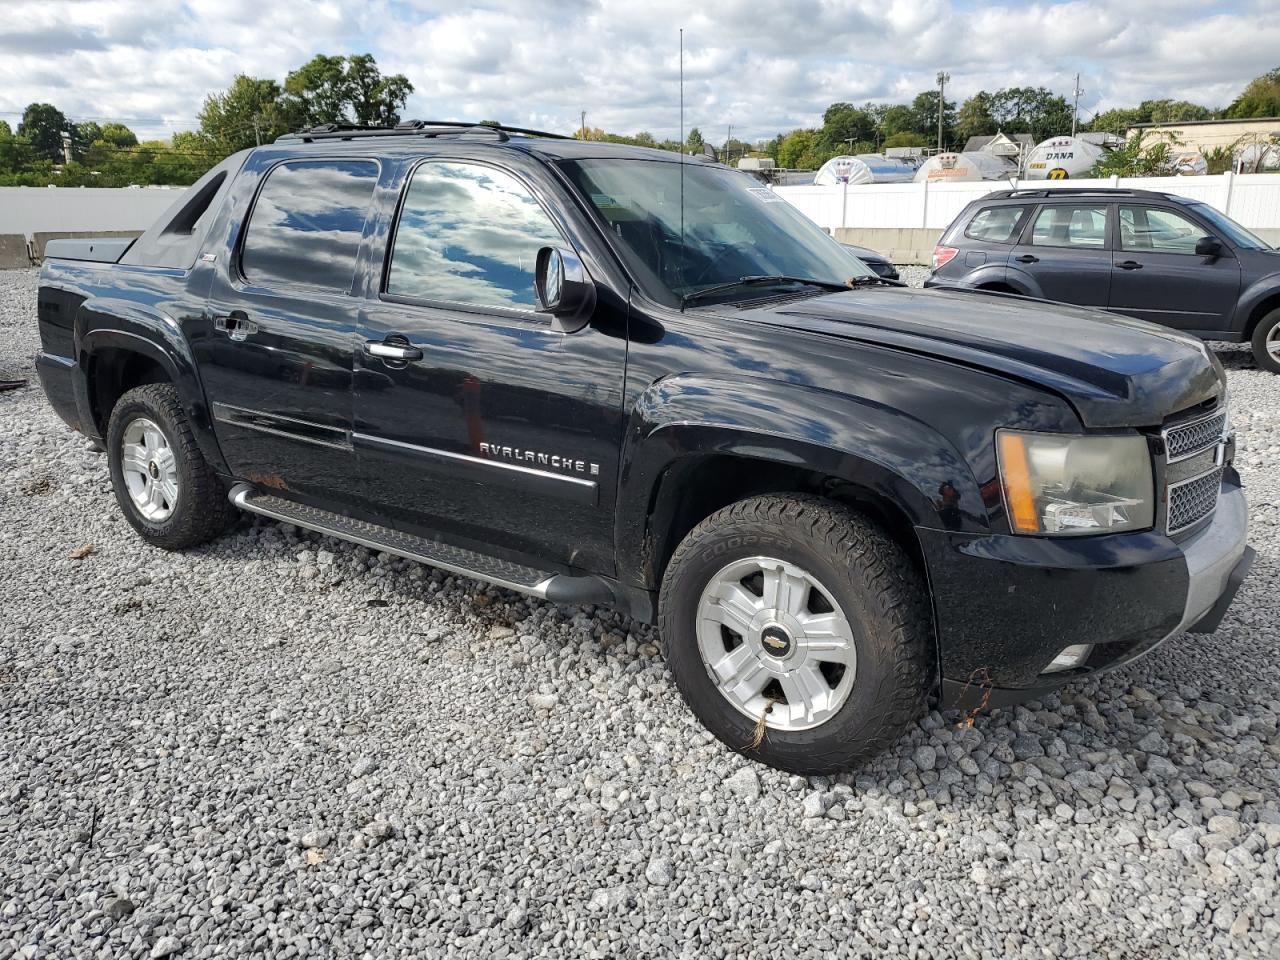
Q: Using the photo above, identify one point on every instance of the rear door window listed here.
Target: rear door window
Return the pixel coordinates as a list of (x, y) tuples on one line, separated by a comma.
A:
[(1071, 225), (307, 223), (995, 224)]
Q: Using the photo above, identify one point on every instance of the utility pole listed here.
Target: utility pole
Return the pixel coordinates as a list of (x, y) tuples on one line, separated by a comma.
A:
[(1075, 105), (584, 125), (728, 138), (257, 131), (943, 79)]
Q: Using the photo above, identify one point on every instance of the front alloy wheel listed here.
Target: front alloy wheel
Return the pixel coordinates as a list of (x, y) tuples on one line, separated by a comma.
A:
[(798, 631), (776, 643)]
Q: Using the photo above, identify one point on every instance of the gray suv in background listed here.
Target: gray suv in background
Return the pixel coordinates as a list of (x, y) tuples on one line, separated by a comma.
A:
[(1154, 256)]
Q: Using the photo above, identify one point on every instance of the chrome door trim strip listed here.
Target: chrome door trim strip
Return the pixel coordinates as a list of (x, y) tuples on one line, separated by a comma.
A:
[(276, 424), (467, 458)]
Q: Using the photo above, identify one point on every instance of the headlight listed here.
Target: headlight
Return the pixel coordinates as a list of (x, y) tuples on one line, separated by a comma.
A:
[(1068, 486)]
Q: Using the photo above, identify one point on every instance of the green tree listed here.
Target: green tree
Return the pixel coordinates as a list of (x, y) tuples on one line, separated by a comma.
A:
[(1173, 111), (1261, 98), (924, 117), (909, 139), (11, 150), (896, 118), (246, 113), (1032, 110), (843, 123), (1117, 121), (118, 135), (42, 126), (337, 89), (795, 151), (82, 137), (1138, 158), (975, 118), (694, 141)]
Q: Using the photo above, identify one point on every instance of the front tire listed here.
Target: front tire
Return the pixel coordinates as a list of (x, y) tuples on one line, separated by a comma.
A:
[(168, 493), (798, 632), (1266, 342)]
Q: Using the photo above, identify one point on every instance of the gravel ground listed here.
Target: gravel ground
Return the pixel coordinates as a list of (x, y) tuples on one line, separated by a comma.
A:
[(280, 745)]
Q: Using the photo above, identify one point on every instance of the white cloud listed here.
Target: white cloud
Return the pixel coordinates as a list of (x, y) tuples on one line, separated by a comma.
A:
[(152, 62)]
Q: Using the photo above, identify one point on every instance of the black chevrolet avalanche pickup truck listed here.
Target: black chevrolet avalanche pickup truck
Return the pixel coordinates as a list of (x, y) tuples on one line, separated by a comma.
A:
[(607, 375)]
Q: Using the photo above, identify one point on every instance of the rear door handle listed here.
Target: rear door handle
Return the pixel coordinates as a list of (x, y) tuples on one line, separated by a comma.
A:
[(1129, 265), (235, 324), (392, 349), (1027, 258)]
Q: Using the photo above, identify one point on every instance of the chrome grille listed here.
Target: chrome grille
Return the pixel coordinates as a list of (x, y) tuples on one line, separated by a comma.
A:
[(1188, 439), (1193, 500)]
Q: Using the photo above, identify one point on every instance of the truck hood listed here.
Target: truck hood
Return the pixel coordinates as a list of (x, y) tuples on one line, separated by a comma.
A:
[(1115, 371)]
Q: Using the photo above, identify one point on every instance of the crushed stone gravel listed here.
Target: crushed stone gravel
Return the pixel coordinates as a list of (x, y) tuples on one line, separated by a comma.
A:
[(280, 745)]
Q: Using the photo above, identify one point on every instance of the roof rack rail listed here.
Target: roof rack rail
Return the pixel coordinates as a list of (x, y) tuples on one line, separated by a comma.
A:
[(1076, 191), (420, 128)]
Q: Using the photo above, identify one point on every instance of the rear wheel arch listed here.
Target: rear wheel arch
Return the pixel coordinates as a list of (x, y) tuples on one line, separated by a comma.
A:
[(112, 371), (998, 286), (117, 358)]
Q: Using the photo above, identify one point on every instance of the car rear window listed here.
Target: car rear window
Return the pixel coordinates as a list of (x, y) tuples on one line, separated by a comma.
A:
[(1071, 225), (307, 223), (995, 224)]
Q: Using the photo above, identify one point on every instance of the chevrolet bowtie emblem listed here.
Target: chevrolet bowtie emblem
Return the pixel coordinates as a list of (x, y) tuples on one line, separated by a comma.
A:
[(775, 642)]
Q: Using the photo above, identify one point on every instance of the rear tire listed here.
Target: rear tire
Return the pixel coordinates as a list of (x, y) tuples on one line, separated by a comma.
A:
[(1266, 342), (168, 493), (840, 566)]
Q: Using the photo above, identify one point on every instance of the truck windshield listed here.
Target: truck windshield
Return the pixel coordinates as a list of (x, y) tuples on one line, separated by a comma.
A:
[(1238, 235), (731, 228)]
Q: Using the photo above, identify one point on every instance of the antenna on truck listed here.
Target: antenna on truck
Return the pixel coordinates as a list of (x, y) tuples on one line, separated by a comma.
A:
[(681, 150)]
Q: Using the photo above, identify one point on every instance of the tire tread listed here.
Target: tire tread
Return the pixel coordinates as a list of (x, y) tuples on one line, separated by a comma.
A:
[(904, 636)]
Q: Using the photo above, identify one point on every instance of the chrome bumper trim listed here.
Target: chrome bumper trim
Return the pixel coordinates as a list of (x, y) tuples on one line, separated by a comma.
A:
[(1212, 554)]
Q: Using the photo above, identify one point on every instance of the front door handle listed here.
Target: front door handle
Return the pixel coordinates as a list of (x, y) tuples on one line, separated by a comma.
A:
[(392, 350), (1027, 258), (1129, 265)]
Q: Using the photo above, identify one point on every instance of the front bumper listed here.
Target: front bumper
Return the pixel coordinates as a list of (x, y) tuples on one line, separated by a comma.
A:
[(1006, 606)]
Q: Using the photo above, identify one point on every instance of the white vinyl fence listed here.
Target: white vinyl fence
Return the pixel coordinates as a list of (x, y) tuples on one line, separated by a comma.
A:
[(1253, 200), (32, 210)]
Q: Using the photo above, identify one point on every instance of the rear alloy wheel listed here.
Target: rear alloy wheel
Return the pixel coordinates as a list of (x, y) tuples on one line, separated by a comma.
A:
[(150, 469), (798, 631), (168, 493), (1266, 342)]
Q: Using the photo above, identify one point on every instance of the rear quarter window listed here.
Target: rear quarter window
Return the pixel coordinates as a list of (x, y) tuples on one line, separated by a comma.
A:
[(996, 224), (307, 223)]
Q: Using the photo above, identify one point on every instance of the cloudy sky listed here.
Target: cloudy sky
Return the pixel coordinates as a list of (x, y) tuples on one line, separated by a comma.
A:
[(762, 67)]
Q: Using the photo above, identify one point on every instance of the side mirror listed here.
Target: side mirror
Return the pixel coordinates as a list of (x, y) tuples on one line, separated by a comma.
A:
[(1209, 246), (563, 288)]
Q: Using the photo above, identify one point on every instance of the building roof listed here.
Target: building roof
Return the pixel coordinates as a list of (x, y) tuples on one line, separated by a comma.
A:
[(974, 144), (1203, 123)]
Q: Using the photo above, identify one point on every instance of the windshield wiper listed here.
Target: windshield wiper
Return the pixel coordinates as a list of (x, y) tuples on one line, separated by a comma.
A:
[(855, 282), (755, 281)]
